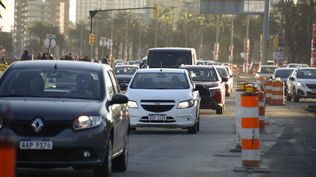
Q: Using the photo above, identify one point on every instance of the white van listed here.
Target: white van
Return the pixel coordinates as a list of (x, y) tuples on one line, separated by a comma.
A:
[(171, 57)]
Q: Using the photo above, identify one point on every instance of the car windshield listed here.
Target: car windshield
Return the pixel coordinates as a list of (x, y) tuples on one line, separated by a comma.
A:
[(201, 74), (283, 73), (172, 59), (222, 72), (267, 70), (161, 80), (307, 74), (61, 83), (125, 70)]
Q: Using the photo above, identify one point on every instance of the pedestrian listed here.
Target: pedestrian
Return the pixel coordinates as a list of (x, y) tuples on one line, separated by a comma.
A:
[(26, 56)]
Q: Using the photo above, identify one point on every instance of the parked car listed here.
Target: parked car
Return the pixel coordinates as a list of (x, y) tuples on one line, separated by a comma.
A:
[(124, 74), (66, 114), (210, 85), (296, 65), (171, 57), (302, 84), (163, 98), (229, 84)]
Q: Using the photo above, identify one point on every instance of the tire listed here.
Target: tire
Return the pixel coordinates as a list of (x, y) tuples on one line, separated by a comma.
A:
[(220, 110), (193, 129), (120, 163), (288, 97), (105, 169)]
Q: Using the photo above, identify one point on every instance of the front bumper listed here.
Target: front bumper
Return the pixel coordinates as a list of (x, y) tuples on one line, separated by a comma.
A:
[(68, 149), (306, 93), (176, 118)]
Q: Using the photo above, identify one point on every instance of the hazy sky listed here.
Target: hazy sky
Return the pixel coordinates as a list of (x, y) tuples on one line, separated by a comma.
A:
[(7, 14)]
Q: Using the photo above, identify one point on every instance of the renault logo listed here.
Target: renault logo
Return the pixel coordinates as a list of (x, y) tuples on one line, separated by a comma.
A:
[(37, 125)]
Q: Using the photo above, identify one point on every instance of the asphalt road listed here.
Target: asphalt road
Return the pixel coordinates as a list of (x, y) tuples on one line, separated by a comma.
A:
[(288, 150)]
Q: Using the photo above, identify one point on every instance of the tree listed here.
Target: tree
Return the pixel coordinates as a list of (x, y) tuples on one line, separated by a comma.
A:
[(1, 4)]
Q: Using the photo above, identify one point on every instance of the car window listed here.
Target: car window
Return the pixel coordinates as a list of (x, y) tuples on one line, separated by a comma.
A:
[(283, 73), (168, 59), (198, 74), (222, 72), (52, 83), (125, 70), (306, 74), (161, 80), (267, 70)]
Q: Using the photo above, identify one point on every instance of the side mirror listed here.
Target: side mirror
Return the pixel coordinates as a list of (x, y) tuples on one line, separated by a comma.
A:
[(224, 79), (117, 99), (292, 79)]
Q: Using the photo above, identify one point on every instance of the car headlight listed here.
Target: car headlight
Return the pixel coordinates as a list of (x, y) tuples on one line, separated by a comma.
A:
[(132, 104), (186, 104), (85, 122), (299, 84)]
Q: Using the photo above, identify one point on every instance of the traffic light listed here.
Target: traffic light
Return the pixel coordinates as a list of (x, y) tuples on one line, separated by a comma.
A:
[(155, 10), (91, 39)]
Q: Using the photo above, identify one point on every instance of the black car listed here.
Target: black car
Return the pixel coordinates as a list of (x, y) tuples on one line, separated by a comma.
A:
[(66, 114), (124, 74)]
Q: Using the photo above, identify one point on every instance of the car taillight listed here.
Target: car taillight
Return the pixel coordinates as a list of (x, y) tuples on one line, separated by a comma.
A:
[(216, 95)]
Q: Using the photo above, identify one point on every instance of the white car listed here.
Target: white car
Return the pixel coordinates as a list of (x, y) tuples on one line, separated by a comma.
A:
[(224, 73), (266, 71), (302, 84), (163, 98)]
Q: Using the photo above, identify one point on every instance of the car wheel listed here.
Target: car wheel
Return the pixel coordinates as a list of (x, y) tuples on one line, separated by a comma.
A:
[(220, 110), (105, 169), (120, 163), (193, 129), (288, 97)]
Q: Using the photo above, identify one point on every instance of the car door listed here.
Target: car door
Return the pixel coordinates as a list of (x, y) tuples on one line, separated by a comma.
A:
[(120, 116)]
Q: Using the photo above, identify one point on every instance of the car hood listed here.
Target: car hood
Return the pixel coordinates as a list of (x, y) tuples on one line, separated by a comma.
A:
[(159, 94), (50, 109)]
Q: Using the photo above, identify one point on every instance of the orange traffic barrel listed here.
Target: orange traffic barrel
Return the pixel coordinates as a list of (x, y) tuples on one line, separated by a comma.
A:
[(277, 97), (268, 91), (7, 158)]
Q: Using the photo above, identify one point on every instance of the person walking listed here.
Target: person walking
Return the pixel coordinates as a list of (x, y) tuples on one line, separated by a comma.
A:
[(26, 56)]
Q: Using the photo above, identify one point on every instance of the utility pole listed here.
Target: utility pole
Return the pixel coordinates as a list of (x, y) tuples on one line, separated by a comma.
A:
[(266, 19)]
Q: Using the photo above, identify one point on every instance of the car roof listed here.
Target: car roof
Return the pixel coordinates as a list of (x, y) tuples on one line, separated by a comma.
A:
[(285, 69), (165, 70), (198, 66), (306, 68), (58, 63), (124, 66), (171, 48)]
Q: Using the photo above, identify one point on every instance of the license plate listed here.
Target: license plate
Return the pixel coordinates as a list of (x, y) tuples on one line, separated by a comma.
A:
[(157, 117), (36, 144)]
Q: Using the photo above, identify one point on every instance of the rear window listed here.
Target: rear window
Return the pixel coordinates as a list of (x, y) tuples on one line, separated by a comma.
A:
[(168, 59), (160, 80), (283, 73), (267, 70), (200, 74)]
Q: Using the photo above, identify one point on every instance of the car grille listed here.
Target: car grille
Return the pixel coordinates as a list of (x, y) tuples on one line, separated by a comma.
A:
[(50, 128), (311, 86), (157, 105)]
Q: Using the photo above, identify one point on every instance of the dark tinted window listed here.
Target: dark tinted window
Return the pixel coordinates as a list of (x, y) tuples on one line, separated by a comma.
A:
[(203, 74), (64, 83), (161, 80), (307, 74), (168, 59), (283, 73)]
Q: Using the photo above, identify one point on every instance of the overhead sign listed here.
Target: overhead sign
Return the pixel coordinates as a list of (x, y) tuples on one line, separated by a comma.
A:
[(232, 6)]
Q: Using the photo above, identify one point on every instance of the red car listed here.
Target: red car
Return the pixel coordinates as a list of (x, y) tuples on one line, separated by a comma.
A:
[(210, 85)]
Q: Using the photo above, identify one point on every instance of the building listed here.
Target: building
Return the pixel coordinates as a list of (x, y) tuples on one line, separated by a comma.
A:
[(28, 12), (84, 6)]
